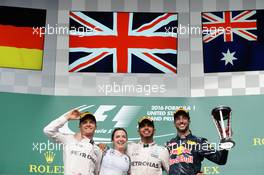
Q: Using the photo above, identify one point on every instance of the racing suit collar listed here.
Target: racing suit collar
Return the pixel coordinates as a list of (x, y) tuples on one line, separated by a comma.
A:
[(187, 136), (87, 140), (147, 144)]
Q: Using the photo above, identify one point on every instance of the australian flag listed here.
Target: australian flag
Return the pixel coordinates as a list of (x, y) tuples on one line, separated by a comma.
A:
[(233, 41), (123, 42)]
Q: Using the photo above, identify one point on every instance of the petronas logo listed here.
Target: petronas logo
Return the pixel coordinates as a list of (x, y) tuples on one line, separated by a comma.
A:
[(49, 156)]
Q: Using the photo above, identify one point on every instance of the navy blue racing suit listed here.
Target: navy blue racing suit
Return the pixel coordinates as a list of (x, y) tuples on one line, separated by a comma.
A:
[(186, 154)]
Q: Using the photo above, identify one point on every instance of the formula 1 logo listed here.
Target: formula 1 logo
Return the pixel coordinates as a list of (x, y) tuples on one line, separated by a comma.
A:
[(123, 117)]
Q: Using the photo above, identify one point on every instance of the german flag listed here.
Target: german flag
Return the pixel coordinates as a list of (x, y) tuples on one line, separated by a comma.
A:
[(21, 45)]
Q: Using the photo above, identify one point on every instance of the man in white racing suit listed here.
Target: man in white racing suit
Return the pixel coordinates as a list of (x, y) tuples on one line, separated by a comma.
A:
[(147, 158), (80, 155)]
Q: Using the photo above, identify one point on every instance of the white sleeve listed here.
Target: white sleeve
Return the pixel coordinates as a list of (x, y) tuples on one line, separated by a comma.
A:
[(52, 129), (129, 148), (99, 155), (164, 156)]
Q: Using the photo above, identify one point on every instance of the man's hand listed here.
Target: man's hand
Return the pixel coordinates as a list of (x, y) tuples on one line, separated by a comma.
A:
[(73, 115), (199, 173), (102, 146)]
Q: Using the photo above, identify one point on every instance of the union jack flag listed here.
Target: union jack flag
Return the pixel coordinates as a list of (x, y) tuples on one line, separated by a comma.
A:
[(228, 23), (233, 41), (122, 42)]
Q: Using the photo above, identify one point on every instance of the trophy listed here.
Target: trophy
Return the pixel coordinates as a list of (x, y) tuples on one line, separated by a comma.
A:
[(222, 119)]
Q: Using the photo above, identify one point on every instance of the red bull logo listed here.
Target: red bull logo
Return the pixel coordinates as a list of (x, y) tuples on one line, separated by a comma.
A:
[(183, 155), (182, 158), (180, 150)]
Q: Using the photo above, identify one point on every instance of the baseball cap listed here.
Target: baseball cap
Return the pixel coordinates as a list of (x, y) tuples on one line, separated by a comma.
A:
[(145, 119), (87, 115), (181, 111)]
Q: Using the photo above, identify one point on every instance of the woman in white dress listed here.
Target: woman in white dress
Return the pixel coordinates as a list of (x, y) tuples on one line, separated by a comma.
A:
[(115, 161)]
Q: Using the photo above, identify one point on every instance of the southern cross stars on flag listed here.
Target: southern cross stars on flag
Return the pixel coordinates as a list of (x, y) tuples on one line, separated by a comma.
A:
[(122, 42), (233, 41)]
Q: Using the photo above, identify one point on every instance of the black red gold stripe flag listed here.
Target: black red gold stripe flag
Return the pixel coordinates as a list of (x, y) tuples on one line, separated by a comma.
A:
[(20, 45)]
